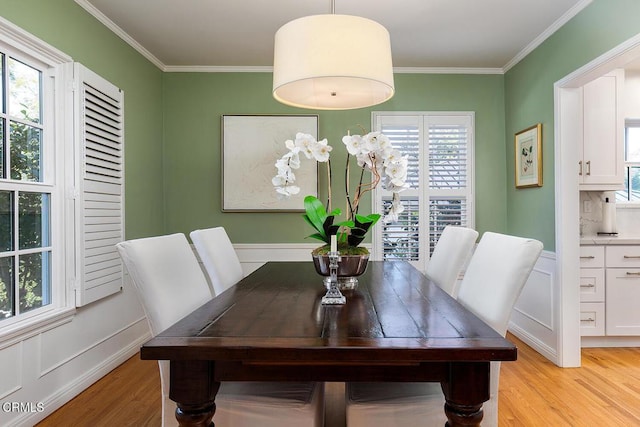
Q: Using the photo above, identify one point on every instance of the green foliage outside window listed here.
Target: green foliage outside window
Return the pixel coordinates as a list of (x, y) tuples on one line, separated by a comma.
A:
[(24, 148)]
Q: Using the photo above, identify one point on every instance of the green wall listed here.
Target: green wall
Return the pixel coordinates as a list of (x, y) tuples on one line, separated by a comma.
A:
[(195, 102), (600, 27), (173, 121), (66, 26)]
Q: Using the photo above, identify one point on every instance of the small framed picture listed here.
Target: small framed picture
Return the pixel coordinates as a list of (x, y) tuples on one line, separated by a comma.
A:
[(528, 156)]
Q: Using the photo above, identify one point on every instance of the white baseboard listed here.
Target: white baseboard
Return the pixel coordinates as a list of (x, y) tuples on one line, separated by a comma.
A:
[(586, 342), (539, 346), (64, 394)]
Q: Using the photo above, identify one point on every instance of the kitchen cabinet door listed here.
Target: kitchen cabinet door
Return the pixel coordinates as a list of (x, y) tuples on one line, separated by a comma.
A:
[(622, 297), (601, 163)]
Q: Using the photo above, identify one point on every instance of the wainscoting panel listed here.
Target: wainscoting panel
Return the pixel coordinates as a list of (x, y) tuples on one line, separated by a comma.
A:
[(253, 256), (10, 370), (534, 317)]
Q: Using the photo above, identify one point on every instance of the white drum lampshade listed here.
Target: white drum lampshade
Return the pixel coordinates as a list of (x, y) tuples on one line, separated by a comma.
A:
[(332, 62)]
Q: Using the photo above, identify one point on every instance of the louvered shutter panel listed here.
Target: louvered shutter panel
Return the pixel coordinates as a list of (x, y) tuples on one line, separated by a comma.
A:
[(449, 169), (100, 186), (401, 239)]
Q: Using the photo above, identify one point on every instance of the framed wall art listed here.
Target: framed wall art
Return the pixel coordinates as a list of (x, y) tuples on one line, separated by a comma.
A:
[(251, 144), (528, 157)]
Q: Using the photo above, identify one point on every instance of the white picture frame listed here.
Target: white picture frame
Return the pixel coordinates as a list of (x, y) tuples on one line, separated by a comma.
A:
[(251, 144)]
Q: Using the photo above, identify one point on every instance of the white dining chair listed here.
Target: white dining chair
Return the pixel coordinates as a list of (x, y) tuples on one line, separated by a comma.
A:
[(494, 278), (170, 284), (451, 253), (218, 257)]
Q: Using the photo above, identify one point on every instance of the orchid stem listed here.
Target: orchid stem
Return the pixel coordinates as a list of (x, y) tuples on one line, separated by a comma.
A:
[(329, 186), (346, 188)]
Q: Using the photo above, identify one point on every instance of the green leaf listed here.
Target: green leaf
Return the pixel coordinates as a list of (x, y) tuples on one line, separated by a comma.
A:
[(362, 225), (347, 224), (370, 219), (329, 228), (306, 218), (335, 212), (316, 213), (317, 236)]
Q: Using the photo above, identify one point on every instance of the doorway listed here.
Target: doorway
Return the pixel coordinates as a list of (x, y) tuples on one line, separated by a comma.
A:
[(568, 134)]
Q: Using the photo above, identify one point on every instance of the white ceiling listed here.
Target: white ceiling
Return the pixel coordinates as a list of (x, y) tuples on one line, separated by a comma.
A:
[(489, 35)]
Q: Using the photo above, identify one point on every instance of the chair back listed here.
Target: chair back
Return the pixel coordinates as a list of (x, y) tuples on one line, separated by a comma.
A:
[(168, 279), (218, 256), (449, 256), (495, 276)]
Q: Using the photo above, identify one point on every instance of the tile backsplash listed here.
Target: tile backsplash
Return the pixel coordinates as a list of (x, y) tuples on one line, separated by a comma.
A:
[(591, 213)]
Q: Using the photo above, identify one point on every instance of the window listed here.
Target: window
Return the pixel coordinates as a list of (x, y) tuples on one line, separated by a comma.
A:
[(25, 189), (440, 151), (631, 191), (61, 183)]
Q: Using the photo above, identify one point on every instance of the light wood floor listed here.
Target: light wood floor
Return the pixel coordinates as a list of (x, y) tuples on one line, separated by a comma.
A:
[(605, 391)]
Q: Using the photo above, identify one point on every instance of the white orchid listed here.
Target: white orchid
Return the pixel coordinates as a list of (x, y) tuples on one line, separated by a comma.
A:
[(393, 156), (397, 171), (288, 190), (373, 152), (321, 150), (305, 142), (279, 181), (354, 144), (394, 212)]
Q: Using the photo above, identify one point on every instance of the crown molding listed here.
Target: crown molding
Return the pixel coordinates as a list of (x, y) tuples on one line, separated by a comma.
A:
[(120, 33), (577, 8), (446, 70), (218, 69), (269, 69)]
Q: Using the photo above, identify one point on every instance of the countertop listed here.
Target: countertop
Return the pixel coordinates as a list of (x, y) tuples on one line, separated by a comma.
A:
[(621, 239)]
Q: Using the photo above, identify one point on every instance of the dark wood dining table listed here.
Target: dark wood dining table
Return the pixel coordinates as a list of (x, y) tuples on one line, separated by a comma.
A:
[(395, 326)]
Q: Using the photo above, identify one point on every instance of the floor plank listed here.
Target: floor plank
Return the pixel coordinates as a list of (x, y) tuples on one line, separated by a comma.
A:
[(533, 392)]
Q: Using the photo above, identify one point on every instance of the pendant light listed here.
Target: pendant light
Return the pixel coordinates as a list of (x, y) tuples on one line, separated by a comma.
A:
[(332, 62)]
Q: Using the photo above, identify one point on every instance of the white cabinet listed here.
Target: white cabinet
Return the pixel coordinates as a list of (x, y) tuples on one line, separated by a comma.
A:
[(623, 290), (610, 290), (592, 291), (592, 319), (602, 157)]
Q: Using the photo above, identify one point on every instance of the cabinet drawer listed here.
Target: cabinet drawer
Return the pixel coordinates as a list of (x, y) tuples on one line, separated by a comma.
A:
[(623, 256), (591, 256), (622, 300), (592, 285), (592, 319)]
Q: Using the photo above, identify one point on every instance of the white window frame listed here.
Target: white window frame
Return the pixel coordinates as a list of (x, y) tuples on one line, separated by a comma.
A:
[(56, 119), (635, 123), (423, 120)]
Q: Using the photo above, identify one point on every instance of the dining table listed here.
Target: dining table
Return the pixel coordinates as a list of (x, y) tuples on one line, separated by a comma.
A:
[(396, 326)]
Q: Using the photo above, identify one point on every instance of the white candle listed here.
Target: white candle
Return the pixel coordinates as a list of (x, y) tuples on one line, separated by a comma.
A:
[(334, 243)]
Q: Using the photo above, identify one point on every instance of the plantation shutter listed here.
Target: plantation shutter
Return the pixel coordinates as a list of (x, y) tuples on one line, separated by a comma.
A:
[(440, 151), (449, 167), (100, 186), (400, 240)]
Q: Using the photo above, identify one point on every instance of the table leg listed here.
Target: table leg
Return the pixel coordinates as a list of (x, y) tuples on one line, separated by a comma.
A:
[(193, 389), (463, 415), (195, 415), (465, 391)]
